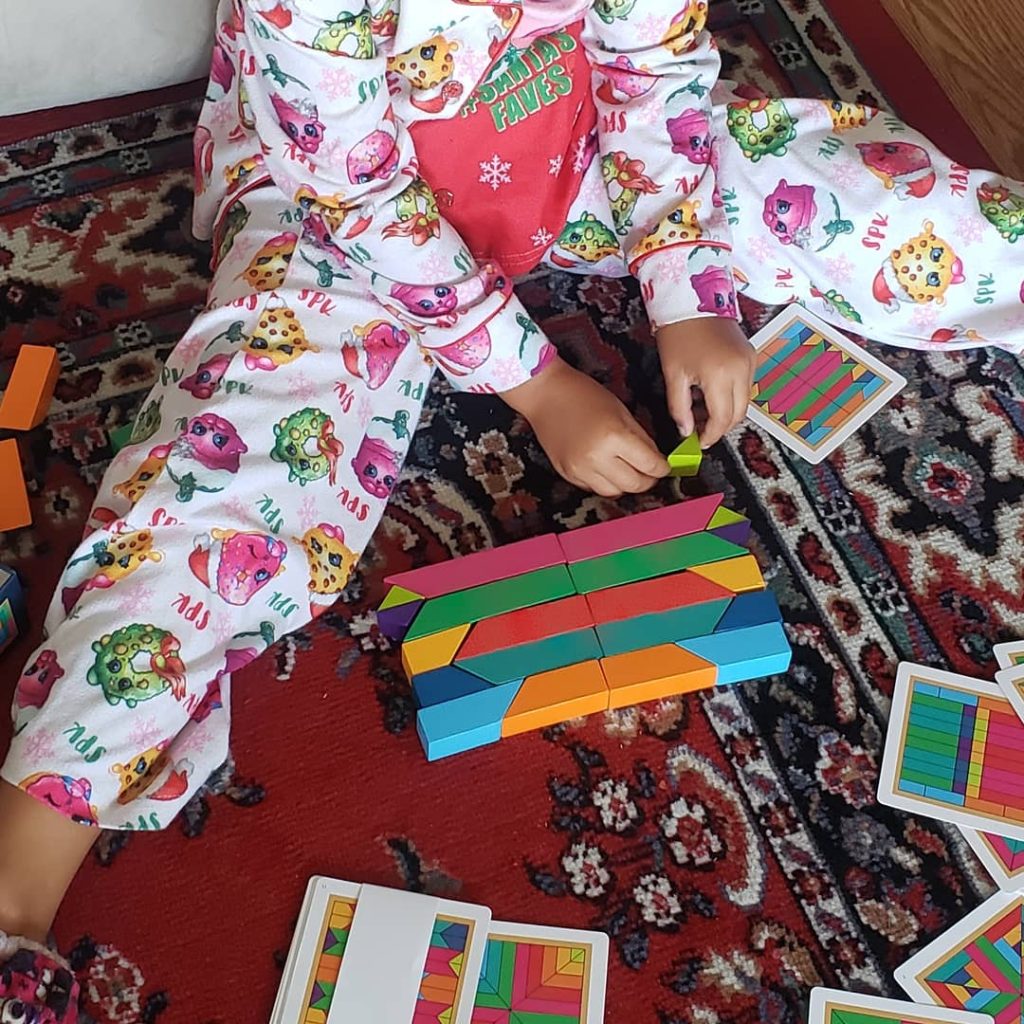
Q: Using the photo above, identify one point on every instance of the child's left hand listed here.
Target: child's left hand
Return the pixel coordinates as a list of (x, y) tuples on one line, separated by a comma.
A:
[(714, 354)]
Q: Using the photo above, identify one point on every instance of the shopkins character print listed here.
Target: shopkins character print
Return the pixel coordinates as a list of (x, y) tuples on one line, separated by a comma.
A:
[(67, 796), (236, 565), (137, 663), (377, 467)]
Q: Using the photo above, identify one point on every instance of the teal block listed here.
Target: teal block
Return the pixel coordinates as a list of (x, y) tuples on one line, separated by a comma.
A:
[(741, 654), (754, 609), (529, 659), (120, 436), (645, 563), (489, 599), (465, 723), (660, 627), (445, 684)]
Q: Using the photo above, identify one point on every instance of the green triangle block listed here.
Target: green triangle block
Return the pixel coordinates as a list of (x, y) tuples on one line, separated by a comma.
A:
[(119, 437), (725, 517), (399, 595), (685, 460)]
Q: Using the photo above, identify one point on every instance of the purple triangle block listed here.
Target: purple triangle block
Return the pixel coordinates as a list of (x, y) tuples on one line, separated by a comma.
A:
[(394, 622), (735, 533)]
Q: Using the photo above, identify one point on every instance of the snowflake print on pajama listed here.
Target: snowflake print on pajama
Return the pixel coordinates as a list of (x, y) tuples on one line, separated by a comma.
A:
[(236, 515)]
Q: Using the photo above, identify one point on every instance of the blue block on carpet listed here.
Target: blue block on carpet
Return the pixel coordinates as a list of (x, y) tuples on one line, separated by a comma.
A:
[(445, 684), (466, 723), (742, 654), (757, 608)]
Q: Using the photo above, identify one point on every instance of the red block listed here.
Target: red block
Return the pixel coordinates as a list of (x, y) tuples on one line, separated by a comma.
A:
[(658, 595), (526, 626), (639, 530)]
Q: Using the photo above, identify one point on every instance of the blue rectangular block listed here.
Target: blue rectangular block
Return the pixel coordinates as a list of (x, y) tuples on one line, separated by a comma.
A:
[(465, 723), (445, 684), (754, 609), (742, 654), (911, 787)]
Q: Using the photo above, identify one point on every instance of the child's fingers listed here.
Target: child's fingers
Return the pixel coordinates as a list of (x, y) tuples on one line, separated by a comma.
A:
[(682, 406), (741, 399), (720, 415), (637, 450), (627, 479)]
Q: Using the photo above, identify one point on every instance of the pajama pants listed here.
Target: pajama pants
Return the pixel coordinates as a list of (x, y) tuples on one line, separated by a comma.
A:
[(262, 461)]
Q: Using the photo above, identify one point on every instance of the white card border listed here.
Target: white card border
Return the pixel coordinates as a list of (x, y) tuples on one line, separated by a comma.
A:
[(1007, 681), (887, 793), (911, 1013), (1004, 652), (895, 383), (992, 864), (921, 963)]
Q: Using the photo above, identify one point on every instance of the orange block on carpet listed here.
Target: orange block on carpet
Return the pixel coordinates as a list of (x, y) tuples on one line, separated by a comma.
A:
[(655, 672), (552, 697), (14, 509), (30, 388)]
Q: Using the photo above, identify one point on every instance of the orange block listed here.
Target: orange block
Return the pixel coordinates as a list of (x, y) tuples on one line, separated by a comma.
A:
[(30, 389), (662, 594), (14, 510), (655, 672), (740, 575), (552, 697)]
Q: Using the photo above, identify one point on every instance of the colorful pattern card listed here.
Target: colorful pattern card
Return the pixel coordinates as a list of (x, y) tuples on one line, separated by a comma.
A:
[(542, 976), (954, 751), (829, 1006), (1011, 682), (976, 965), (453, 960), (1010, 655), (813, 387), (1003, 858)]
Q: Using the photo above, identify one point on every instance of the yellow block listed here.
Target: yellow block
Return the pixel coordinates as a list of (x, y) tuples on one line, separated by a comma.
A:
[(435, 651), (552, 697), (654, 673), (739, 575)]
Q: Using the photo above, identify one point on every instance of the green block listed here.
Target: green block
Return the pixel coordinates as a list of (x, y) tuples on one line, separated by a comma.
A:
[(653, 560), (685, 460), (725, 517), (530, 659), (398, 596), (120, 436), (496, 598), (923, 778), (661, 627)]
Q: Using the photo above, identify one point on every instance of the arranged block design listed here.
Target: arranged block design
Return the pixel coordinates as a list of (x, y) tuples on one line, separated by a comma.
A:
[(685, 459), (642, 608), (30, 388)]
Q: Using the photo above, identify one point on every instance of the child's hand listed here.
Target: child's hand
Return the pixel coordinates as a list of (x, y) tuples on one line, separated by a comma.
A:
[(588, 433), (714, 354)]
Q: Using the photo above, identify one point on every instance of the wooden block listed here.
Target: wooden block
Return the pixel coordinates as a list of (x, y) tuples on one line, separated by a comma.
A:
[(735, 533), (394, 622), (465, 723), (638, 530), (30, 388), (552, 697), (742, 654), (398, 596), (527, 625), (492, 599), (434, 651), (481, 567), (754, 609), (661, 594), (119, 437), (739, 575), (14, 508), (444, 684), (685, 459), (13, 613), (661, 627), (654, 673), (529, 659), (653, 560), (725, 517)]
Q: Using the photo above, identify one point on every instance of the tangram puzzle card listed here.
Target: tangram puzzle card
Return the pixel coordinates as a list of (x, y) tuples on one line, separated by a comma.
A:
[(542, 976), (813, 387), (1011, 682), (954, 751), (381, 955), (829, 1006), (1010, 655), (1003, 858), (976, 965)]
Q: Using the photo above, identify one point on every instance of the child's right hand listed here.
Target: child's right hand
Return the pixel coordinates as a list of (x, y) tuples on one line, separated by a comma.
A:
[(588, 434)]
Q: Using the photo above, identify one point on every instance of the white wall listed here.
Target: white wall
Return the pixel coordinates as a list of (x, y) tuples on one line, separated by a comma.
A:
[(57, 52)]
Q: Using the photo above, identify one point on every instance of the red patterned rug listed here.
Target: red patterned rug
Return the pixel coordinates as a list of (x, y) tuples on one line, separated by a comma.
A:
[(730, 842)]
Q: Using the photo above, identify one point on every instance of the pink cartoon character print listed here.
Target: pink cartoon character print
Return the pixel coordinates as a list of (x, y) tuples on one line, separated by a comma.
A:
[(717, 292), (34, 687), (793, 216), (376, 466), (373, 157), (300, 121), (373, 351), (206, 456), (903, 168), (690, 132), (467, 354), (205, 381), (67, 796), (236, 565), (622, 81), (428, 301)]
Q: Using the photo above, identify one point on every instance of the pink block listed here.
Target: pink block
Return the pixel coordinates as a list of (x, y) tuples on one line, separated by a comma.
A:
[(481, 567), (638, 530)]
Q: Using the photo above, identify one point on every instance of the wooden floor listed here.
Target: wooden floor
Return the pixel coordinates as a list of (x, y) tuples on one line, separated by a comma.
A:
[(975, 48)]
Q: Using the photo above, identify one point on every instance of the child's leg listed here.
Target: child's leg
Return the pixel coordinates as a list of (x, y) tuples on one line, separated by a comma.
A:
[(259, 469), (865, 221)]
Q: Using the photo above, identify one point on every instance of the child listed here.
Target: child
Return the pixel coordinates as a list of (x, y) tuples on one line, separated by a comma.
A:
[(370, 179)]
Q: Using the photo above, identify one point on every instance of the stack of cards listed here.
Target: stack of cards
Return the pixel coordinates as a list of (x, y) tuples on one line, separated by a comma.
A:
[(362, 953), (813, 387), (829, 1006)]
